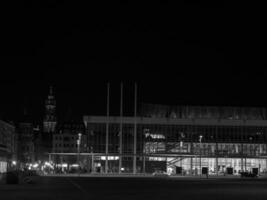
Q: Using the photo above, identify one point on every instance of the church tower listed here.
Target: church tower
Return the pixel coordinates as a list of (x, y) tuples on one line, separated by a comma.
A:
[(49, 123)]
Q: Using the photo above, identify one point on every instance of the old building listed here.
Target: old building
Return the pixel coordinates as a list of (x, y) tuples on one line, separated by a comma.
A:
[(50, 120), (69, 140), (44, 139), (26, 148), (8, 145)]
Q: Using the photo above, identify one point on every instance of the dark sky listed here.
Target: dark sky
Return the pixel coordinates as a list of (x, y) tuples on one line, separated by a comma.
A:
[(179, 53)]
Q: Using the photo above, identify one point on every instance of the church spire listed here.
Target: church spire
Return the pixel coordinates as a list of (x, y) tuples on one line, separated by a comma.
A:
[(49, 123), (51, 90)]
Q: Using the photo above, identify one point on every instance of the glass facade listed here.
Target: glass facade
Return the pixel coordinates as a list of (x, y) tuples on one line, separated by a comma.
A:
[(223, 146), (3, 166)]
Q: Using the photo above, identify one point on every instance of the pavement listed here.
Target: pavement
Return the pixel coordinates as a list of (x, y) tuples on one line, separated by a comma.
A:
[(141, 175), (72, 188)]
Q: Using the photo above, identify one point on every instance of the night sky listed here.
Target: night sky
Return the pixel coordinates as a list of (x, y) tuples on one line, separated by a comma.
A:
[(178, 53)]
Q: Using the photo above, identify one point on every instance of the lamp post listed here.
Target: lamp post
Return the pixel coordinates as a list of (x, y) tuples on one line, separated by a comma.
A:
[(78, 149), (92, 161), (200, 139)]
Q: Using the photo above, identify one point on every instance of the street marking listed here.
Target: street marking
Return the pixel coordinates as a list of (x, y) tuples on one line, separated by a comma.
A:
[(77, 186)]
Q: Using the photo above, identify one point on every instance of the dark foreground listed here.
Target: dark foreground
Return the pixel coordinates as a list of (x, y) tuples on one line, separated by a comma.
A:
[(66, 188)]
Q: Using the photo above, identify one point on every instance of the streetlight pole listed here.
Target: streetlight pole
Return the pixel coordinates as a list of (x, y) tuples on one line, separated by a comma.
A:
[(78, 149), (92, 161), (200, 138)]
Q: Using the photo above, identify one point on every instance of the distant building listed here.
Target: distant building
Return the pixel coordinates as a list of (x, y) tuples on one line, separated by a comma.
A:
[(26, 148), (44, 138), (37, 140), (65, 141), (8, 145)]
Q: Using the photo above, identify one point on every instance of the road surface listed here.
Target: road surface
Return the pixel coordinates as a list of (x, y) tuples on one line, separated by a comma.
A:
[(72, 188)]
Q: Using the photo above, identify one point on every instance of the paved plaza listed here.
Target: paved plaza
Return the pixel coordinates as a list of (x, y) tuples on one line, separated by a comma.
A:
[(68, 187)]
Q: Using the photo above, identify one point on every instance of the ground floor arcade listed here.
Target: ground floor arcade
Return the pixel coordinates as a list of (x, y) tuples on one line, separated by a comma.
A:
[(173, 164)]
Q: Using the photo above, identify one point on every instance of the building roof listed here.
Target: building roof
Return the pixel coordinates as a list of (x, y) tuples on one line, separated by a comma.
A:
[(202, 112), (172, 121)]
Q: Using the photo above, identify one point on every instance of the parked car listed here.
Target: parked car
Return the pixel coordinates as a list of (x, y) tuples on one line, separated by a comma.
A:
[(11, 177), (248, 174)]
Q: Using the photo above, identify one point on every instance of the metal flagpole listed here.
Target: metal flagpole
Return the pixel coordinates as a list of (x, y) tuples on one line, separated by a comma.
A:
[(135, 127), (120, 136), (107, 130)]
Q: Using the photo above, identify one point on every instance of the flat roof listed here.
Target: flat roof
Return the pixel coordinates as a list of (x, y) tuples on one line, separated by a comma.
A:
[(168, 121)]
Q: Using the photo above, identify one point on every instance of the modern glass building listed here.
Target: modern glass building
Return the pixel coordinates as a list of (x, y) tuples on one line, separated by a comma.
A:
[(179, 140)]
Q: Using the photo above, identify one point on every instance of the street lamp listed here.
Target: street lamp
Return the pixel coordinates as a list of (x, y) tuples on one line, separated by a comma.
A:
[(78, 149), (200, 139)]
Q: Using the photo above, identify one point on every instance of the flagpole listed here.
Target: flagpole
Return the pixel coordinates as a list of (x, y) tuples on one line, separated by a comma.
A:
[(107, 130), (120, 134), (135, 127)]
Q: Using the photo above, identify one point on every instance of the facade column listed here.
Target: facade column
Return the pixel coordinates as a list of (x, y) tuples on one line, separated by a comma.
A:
[(191, 165), (144, 164), (92, 164), (49, 157), (216, 159), (216, 153), (107, 142), (242, 155), (242, 168), (200, 171), (192, 151), (245, 163), (88, 163), (216, 165)]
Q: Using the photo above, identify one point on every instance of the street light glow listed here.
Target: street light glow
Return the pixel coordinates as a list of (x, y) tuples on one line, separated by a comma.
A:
[(200, 138)]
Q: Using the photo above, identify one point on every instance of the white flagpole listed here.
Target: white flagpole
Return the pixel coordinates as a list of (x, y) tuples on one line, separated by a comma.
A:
[(121, 118), (107, 130), (135, 127)]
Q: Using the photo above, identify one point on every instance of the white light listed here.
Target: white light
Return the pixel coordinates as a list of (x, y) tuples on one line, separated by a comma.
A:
[(47, 164), (110, 157), (35, 165), (122, 169), (181, 144), (75, 165), (200, 138), (155, 136), (14, 162), (156, 158), (116, 158), (65, 165)]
